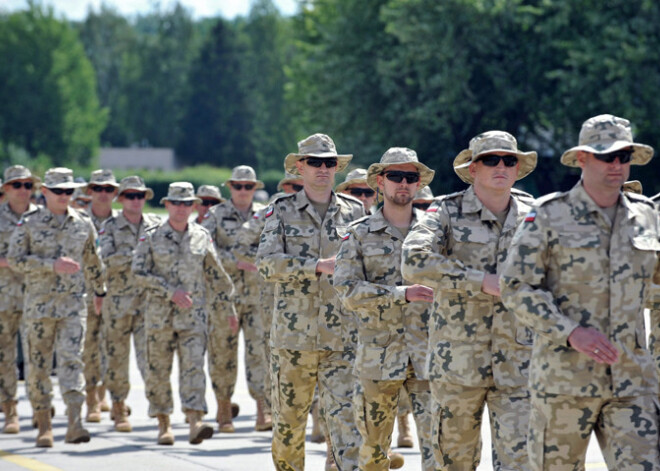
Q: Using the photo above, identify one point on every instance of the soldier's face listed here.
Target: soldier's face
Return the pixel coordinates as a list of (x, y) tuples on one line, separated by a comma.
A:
[(240, 194), (367, 201), (289, 188), (132, 204), (601, 175), (318, 178), (18, 196), (497, 178), (57, 204), (178, 214), (102, 198), (399, 194)]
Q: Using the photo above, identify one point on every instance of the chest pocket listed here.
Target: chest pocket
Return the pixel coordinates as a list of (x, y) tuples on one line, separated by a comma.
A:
[(472, 244), (382, 261), (578, 256), (301, 241)]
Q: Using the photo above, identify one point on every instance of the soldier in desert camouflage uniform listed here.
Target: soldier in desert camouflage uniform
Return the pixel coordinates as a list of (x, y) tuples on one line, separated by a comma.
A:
[(123, 309), (18, 187), (55, 248), (654, 306), (176, 263), (224, 221), (311, 338), (478, 352), (210, 196), (355, 185), (579, 274), (392, 317), (102, 188)]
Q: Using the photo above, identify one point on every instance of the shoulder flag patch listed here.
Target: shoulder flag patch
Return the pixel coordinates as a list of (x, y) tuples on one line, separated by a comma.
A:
[(206, 215), (531, 216), (346, 236), (269, 211), (102, 231), (432, 209), (20, 222), (255, 216), (142, 238)]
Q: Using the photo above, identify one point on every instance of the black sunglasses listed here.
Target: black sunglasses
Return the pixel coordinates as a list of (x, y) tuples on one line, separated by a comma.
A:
[(185, 203), (397, 176), (240, 186), (422, 206), (492, 160), (624, 156), (316, 162), (62, 191), (295, 186), (26, 185), (210, 202), (100, 189), (367, 192), (134, 196), (83, 202)]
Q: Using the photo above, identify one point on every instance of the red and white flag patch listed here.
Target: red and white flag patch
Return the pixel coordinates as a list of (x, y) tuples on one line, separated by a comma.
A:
[(531, 216)]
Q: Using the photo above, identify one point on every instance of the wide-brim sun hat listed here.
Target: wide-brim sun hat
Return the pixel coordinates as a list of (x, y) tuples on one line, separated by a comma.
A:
[(607, 133), (135, 183), (102, 177), (288, 178), (18, 172), (398, 156), (244, 174), (209, 191), (490, 142), (424, 194), (316, 145), (61, 177), (180, 191), (356, 176)]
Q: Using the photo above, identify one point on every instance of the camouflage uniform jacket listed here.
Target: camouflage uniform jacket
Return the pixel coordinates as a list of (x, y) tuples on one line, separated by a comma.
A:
[(308, 314), (11, 282), (224, 221), (473, 339), (391, 331), (118, 241), (39, 240), (165, 261), (570, 267)]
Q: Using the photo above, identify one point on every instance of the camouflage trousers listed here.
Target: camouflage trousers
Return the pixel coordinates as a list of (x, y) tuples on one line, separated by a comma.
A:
[(93, 350), (405, 407), (376, 406), (10, 322), (117, 336), (190, 346), (223, 353), (295, 375), (65, 337), (456, 428), (560, 427)]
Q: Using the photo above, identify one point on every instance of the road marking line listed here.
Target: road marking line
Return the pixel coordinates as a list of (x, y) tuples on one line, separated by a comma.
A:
[(27, 463), (596, 465)]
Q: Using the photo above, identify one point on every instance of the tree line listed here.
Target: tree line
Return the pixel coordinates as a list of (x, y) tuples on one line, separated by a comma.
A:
[(372, 74)]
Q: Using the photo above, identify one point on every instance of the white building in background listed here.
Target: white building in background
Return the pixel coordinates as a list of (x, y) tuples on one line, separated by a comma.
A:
[(128, 158)]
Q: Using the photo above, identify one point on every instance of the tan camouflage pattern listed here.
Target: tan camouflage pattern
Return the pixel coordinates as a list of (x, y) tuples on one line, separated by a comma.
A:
[(165, 261), (244, 173), (307, 315), (60, 177), (654, 310), (103, 176), (18, 172), (10, 322), (571, 268)]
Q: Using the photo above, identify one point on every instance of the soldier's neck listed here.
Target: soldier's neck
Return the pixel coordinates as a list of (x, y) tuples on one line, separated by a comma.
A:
[(397, 216), (496, 201), (133, 217), (102, 212), (242, 207), (603, 197), (18, 208), (318, 195)]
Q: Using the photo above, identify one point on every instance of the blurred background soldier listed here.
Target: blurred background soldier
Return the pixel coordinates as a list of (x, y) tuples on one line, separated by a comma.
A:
[(355, 185), (423, 199), (80, 200), (209, 196)]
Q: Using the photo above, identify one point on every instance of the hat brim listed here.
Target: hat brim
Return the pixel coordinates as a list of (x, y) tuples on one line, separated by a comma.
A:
[(149, 193), (259, 183), (353, 181), (526, 163), (194, 199), (90, 184), (65, 186), (284, 181), (642, 153), (36, 180), (425, 174), (291, 159)]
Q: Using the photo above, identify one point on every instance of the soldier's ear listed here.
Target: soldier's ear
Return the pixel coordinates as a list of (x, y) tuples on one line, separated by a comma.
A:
[(581, 157)]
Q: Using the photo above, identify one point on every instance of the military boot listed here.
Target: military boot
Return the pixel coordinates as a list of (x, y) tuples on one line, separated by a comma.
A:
[(45, 434), (330, 464), (105, 407), (264, 419), (405, 438), (11, 417), (225, 424), (317, 434), (121, 419), (75, 433), (93, 406), (165, 435), (199, 431), (34, 417), (396, 460)]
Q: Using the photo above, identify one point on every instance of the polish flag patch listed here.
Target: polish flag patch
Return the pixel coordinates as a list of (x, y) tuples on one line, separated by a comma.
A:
[(102, 231), (346, 236), (531, 216), (432, 209), (269, 211), (142, 238)]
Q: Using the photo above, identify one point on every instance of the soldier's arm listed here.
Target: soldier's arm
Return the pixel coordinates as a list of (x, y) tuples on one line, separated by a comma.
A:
[(92, 262), (142, 267), (523, 282), (248, 238), (109, 250), (355, 292), (19, 256), (425, 261)]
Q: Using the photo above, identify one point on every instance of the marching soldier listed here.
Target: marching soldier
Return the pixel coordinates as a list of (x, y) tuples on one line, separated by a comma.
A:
[(210, 196), (355, 185)]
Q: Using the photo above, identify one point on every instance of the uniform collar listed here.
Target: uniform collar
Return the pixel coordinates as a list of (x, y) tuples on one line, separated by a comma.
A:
[(377, 222), (302, 202), (472, 204), (584, 206)]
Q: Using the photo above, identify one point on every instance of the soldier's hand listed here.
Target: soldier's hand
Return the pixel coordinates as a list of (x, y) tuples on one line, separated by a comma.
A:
[(326, 265), (419, 293), (491, 284), (594, 344), (246, 266), (182, 299), (98, 305), (233, 324), (66, 265), (4, 263)]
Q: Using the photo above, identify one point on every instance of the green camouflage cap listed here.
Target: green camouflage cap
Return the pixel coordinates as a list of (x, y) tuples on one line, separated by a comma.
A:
[(607, 133), (398, 156), (489, 142), (423, 194), (354, 177), (135, 183), (18, 172), (180, 191), (60, 177), (244, 173), (316, 145), (103, 177), (632, 186), (209, 191)]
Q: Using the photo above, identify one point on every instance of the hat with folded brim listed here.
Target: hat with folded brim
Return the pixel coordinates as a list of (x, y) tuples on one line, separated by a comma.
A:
[(18, 172), (357, 176), (135, 183), (244, 174), (180, 191), (399, 156), (316, 145)]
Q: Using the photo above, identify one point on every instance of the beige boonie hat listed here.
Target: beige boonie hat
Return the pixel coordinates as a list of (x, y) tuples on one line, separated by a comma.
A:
[(135, 183), (102, 177), (244, 173), (180, 191), (397, 156), (60, 177), (18, 172), (316, 145), (354, 177), (288, 178), (632, 186), (78, 193), (209, 191), (489, 142), (607, 133), (423, 194)]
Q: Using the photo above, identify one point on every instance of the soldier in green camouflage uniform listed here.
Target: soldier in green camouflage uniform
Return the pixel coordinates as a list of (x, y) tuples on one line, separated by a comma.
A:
[(579, 274), (478, 352), (55, 248), (311, 337), (18, 187), (176, 263), (224, 221), (123, 309), (392, 317), (102, 188)]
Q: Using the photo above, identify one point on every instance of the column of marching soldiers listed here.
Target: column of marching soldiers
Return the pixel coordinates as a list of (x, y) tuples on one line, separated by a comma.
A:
[(379, 300)]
